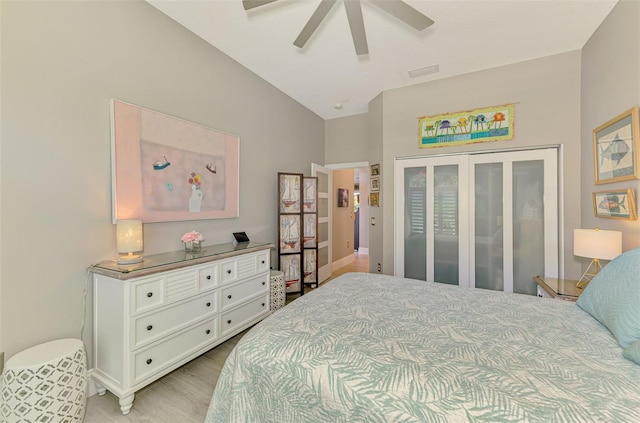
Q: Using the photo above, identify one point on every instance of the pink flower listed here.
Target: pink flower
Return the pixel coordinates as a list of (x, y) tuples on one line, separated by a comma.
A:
[(192, 236), (194, 180)]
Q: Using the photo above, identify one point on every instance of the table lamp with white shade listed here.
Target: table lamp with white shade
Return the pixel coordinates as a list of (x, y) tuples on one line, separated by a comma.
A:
[(129, 240), (597, 245)]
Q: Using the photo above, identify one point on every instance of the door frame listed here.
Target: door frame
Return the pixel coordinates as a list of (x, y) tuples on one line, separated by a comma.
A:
[(324, 272)]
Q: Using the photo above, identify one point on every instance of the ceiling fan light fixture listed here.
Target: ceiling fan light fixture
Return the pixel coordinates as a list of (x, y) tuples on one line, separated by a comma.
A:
[(427, 70)]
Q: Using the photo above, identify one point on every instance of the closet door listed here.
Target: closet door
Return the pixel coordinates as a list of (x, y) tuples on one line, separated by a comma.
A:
[(429, 234), (513, 216), (485, 220)]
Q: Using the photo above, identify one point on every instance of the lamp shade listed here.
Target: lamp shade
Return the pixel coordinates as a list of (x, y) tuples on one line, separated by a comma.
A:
[(129, 236), (597, 244)]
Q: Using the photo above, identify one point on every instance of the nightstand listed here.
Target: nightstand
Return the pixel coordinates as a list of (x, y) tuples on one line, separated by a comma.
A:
[(562, 289)]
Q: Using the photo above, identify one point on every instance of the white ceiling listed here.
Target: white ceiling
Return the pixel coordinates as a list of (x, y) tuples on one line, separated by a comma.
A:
[(468, 35)]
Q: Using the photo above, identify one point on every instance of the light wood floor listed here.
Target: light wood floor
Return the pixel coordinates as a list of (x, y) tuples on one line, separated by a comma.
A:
[(183, 395)]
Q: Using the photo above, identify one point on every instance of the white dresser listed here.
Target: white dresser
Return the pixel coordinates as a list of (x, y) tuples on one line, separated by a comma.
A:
[(152, 317)]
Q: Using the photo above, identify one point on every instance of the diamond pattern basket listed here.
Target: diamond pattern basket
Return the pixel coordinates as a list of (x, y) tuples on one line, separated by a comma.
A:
[(45, 384), (277, 296)]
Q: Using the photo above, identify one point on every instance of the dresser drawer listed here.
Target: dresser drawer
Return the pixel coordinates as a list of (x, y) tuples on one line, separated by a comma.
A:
[(233, 294), (262, 259), (152, 326), (150, 293), (150, 361), (228, 271), (244, 266), (147, 294), (208, 277), (240, 315)]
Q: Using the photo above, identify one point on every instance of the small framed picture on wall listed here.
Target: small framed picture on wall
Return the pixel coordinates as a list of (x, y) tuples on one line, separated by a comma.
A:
[(616, 146), (375, 184), (615, 204), (343, 197), (375, 169)]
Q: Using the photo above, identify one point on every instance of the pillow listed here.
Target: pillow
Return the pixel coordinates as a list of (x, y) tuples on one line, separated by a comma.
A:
[(632, 352), (613, 297)]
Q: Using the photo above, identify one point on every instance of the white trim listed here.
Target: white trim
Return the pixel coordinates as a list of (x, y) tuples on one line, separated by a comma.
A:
[(398, 224), (339, 166), (560, 185), (475, 153), (507, 222), (363, 251), (324, 272), (343, 261)]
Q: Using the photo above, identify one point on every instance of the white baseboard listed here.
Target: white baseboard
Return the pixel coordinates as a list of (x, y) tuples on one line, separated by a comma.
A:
[(363, 250), (343, 261)]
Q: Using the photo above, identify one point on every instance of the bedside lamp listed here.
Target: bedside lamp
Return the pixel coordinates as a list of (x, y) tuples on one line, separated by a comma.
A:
[(129, 240), (595, 244)]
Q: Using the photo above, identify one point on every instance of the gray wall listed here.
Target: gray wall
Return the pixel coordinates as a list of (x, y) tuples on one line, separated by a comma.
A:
[(346, 139), (610, 86), (547, 96), (373, 153), (61, 64)]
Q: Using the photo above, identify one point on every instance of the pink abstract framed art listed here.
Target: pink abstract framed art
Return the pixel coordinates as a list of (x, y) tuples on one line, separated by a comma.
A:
[(168, 169)]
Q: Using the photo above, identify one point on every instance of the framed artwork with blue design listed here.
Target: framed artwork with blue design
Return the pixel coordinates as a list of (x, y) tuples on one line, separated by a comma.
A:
[(616, 149), (615, 204)]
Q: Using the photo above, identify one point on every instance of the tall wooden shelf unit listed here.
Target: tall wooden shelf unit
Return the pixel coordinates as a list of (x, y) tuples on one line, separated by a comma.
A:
[(297, 231), (290, 230), (310, 230)]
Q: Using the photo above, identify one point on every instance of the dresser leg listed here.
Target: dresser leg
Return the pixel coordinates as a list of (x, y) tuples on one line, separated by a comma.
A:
[(126, 403), (100, 389)]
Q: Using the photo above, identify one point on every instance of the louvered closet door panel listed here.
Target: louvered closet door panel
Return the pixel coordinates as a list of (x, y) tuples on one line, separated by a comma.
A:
[(415, 234), (446, 228), (429, 232)]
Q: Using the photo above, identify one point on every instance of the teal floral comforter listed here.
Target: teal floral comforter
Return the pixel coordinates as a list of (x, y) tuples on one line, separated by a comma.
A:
[(374, 348)]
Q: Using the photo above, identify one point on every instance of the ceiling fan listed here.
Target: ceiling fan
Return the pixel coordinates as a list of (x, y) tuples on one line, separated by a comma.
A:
[(397, 8)]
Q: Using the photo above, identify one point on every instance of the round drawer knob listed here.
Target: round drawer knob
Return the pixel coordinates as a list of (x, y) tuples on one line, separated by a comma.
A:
[(229, 271), (208, 304), (264, 283), (149, 294), (208, 331), (229, 296), (262, 304), (149, 327), (228, 322), (209, 277), (149, 361), (262, 261)]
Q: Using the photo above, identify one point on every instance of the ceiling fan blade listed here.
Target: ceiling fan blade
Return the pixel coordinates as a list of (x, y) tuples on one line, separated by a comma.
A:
[(405, 13), (250, 4), (313, 22), (356, 23)]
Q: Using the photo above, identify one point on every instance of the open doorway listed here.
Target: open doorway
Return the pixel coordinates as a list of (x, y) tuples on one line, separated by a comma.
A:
[(350, 219)]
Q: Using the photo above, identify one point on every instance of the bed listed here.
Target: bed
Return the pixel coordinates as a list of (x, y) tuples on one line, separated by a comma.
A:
[(375, 348)]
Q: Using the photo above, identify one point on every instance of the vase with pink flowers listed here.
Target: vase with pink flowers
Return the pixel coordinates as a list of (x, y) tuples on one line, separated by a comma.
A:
[(192, 241)]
